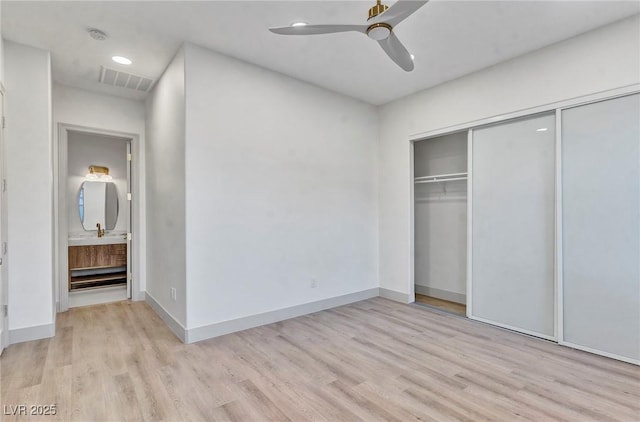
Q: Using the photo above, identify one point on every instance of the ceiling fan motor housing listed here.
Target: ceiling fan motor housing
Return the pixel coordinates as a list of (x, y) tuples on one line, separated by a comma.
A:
[(377, 9)]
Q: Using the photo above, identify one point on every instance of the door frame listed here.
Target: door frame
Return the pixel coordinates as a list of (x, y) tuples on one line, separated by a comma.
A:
[(4, 276), (61, 264)]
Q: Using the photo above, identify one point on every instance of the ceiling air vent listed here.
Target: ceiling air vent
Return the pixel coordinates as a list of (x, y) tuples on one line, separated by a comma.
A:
[(125, 80)]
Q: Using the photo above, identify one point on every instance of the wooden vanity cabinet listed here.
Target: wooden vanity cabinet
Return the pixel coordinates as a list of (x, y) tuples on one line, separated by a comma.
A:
[(95, 266)]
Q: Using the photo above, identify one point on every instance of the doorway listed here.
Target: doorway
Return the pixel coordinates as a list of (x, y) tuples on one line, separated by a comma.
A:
[(4, 276), (94, 230), (440, 222)]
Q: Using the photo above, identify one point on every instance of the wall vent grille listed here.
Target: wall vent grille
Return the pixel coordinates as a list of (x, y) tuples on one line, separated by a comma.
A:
[(114, 77)]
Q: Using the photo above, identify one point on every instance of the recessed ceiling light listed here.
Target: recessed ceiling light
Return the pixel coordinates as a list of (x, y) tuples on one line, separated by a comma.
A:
[(121, 60), (542, 129), (413, 57), (299, 24)]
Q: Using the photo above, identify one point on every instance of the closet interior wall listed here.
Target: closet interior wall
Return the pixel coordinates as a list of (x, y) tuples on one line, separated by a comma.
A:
[(440, 209)]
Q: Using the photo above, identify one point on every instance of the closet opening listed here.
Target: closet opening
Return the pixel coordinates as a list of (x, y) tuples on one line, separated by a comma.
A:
[(440, 222)]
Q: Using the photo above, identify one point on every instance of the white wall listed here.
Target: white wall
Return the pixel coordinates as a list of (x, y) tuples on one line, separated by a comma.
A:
[(87, 149), (165, 175), (30, 179), (280, 189), (599, 60), (1, 49), (78, 107)]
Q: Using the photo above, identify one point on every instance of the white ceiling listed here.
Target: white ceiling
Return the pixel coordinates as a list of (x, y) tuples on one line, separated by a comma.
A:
[(448, 38)]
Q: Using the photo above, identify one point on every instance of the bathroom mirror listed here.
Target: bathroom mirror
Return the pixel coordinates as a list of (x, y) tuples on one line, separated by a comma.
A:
[(98, 203)]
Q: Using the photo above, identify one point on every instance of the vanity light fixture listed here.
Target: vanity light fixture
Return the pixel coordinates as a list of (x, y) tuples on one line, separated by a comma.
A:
[(98, 174)]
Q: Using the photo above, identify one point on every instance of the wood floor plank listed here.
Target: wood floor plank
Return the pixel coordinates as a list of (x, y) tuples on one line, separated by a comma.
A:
[(371, 360)]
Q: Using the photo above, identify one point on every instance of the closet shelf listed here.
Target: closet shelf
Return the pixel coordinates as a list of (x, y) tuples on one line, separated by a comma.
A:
[(438, 178)]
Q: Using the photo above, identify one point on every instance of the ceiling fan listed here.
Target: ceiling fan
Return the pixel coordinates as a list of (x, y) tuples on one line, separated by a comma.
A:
[(382, 19)]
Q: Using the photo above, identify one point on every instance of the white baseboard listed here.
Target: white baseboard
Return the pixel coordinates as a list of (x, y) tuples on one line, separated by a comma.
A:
[(138, 296), (2, 342), (442, 294), (37, 332), (394, 295), (226, 327), (173, 323)]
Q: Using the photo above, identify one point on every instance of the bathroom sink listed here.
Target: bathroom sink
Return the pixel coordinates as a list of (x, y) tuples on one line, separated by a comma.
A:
[(93, 239)]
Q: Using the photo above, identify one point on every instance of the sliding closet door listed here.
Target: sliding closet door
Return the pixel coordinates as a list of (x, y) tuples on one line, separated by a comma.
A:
[(601, 226), (513, 230)]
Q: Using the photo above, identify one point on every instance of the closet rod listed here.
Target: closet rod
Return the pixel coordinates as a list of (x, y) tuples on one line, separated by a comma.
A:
[(440, 180), (440, 176)]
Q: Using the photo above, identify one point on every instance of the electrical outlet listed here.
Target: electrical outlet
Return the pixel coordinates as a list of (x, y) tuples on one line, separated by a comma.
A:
[(314, 283), (173, 294)]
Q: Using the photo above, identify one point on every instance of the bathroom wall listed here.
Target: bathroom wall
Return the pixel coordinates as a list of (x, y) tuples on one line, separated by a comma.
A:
[(84, 150)]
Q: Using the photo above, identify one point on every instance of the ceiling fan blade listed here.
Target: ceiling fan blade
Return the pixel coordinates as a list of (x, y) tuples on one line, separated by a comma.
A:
[(318, 29), (401, 10), (397, 52)]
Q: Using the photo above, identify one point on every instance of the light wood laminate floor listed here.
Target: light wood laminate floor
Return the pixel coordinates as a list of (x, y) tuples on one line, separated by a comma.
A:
[(374, 360), (445, 305)]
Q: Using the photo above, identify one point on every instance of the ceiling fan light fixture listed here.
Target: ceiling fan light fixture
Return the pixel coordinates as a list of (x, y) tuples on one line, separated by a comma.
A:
[(379, 31), (296, 24)]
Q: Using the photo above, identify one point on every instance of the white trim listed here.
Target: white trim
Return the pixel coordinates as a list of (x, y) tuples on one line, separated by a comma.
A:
[(516, 329), (60, 219), (129, 215), (600, 352), (469, 222), (4, 271), (37, 332), (411, 297), (226, 327), (396, 296), (558, 282), (572, 102), (460, 298), (175, 326), (60, 175)]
